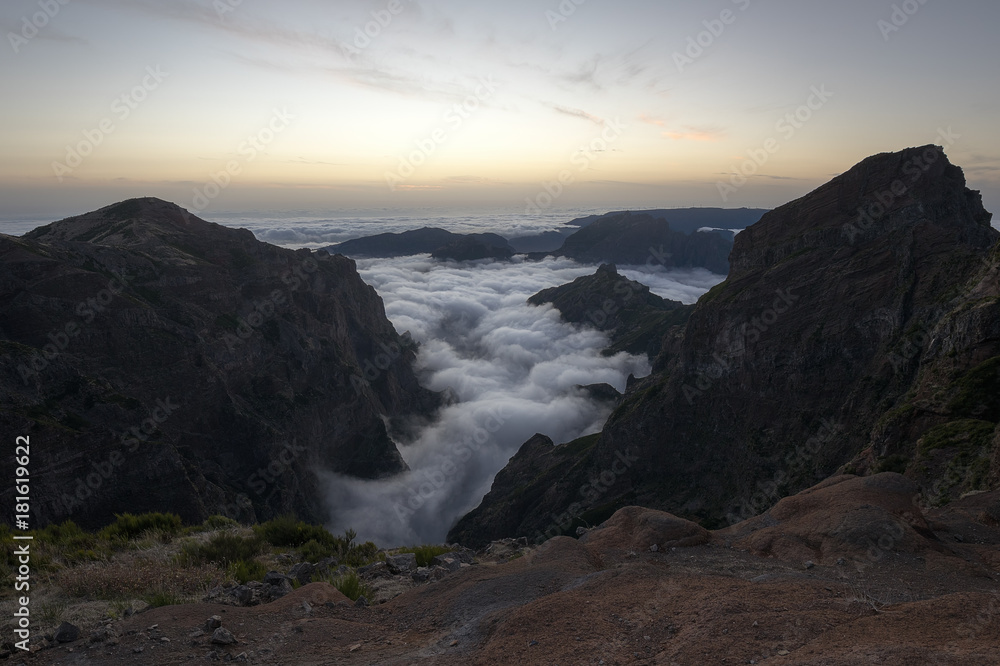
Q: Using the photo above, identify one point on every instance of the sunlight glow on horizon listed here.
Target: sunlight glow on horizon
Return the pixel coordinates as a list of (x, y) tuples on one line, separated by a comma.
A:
[(480, 103)]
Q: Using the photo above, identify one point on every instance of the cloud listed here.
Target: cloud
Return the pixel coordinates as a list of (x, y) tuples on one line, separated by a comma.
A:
[(696, 134), (645, 118), (578, 113), (514, 368)]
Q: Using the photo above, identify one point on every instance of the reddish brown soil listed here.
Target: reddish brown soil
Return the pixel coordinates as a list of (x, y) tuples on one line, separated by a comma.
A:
[(745, 596)]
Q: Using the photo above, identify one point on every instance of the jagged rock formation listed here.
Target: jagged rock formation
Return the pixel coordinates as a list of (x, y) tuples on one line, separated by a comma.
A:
[(161, 362), (634, 318), (421, 241), (859, 324)]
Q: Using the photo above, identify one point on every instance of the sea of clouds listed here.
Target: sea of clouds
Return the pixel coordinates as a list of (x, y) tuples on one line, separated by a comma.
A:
[(515, 369)]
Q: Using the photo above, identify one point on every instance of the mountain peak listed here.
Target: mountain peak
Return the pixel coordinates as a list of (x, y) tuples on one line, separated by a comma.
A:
[(916, 191), (131, 222)]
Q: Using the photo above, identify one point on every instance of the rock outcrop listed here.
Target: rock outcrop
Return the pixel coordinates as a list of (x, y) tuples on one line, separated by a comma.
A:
[(634, 318), (849, 318), (161, 362)]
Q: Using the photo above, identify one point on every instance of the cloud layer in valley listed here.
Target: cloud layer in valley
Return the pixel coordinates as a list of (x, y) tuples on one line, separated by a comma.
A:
[(514, 369)]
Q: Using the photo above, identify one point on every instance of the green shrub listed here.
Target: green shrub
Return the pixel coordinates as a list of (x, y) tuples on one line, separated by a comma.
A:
[(128, 526), (287, 532), (315, 543), (425, 553), (162, 598), (218, 522), (224, 549), (244, 571), (352, 587)]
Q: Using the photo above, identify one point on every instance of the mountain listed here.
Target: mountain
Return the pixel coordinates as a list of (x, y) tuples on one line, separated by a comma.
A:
[(471, 248), (858, 330), (634, 318), (642, 239), (418, 241), (161, 362)]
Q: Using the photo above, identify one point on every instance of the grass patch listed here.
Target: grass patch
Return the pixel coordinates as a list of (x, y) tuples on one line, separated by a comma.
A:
[(425, 553), (245, 571), (137, 578), (315, 543), (894, 463), (224, 549), (351, 586), (128, 526), (965, 434), (978, 393)]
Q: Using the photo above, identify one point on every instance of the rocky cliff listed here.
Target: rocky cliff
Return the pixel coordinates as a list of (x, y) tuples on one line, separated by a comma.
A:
[(858, 329), (161, 362), (634, 318)]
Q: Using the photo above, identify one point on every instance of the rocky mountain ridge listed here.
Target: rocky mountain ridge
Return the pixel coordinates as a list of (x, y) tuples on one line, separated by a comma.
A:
[(851, 317), (161, 362)]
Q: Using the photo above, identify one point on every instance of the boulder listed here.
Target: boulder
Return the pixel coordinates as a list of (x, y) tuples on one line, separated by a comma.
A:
[(302, 572), (402, 563), (66, 633)]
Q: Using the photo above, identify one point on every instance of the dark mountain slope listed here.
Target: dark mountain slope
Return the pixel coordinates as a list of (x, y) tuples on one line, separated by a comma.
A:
[(642, 239), (161, 362), (634, 318), (418, 241), (789, 369)]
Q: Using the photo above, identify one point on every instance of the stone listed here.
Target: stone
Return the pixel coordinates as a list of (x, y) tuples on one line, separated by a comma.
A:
[(447, 561), (242, 595), (421, 575), (302, 572), (223, 636), (213, 623), (66, 633), (374, 569), (362, 602), (402, 563)]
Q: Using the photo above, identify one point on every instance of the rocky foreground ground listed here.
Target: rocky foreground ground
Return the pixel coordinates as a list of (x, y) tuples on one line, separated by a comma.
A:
[(851, 571)]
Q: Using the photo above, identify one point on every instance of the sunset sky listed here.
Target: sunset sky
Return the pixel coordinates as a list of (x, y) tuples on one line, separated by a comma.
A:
[(308, 115)]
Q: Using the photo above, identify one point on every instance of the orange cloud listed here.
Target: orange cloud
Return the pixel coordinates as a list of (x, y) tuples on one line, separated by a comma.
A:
[(695, 134), (650, 120)]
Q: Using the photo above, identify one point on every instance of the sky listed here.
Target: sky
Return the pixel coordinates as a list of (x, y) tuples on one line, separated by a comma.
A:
[(522, 106)]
